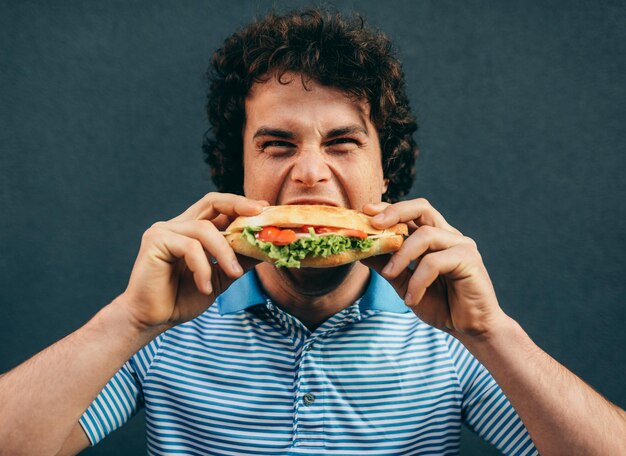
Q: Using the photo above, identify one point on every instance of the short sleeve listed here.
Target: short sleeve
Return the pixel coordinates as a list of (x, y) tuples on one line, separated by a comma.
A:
[(486, 410), (117, 403), (121, 398)]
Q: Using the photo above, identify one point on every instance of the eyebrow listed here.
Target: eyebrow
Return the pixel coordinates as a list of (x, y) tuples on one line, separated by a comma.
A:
[(286, 134), (277, 132), (347, 130)]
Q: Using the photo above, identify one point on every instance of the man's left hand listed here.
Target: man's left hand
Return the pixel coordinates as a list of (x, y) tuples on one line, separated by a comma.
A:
[(449, 288)]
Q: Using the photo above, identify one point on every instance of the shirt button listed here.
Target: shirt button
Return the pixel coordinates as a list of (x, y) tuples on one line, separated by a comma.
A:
[(309, 347), (308, 399)]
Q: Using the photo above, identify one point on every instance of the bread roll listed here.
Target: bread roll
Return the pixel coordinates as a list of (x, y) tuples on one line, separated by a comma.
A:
[(295, 216)]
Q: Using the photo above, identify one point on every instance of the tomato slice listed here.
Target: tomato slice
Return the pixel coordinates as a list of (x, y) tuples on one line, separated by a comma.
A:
[(352, 233), (285, 237), (268, 234), (277, 236), (342, 231)]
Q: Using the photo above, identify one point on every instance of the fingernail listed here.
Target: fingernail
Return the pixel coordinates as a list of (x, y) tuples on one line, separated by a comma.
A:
[(408, 299), (237, 267), (379, 218), (388, 268)]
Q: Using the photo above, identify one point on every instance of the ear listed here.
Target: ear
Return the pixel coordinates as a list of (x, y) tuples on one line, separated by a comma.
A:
[(385, 185)]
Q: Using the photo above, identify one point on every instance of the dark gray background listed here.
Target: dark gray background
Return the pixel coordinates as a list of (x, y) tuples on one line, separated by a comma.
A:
[(521, 107)]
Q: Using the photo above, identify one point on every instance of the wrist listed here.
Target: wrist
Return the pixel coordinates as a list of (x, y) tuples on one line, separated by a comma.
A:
[(121, 313), (501, 333)]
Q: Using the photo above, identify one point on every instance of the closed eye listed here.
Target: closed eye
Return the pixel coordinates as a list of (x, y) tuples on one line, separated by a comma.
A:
[(342, 141), (343, 145), (277, 144), (277, 148)]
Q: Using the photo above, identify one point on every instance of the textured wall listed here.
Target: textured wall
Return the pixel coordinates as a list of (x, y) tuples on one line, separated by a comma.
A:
[(521, 107)]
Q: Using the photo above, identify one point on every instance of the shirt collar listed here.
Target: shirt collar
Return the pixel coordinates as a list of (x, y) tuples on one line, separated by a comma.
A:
[(380, 295), (243, 293), (247, 292)]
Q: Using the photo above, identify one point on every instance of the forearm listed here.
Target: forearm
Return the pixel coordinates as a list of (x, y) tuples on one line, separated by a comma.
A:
[(563, 414), (43, 398)]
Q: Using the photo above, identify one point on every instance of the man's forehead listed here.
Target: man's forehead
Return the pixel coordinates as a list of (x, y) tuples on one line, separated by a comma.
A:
[(303, 86), (293, 100)]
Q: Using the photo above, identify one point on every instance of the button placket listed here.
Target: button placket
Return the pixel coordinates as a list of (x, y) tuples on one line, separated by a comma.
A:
[(309, 410)]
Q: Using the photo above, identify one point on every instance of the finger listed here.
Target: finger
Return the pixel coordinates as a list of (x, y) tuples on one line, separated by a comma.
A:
[(173, 245), (425, 239), (419, 211), (232, 205), (246, 262), (431, 266), (222, 221), (211, 240), (374, 208), (214, 204)]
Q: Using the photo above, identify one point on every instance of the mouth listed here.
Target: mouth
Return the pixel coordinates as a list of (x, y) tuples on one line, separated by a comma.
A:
[(316, 201)]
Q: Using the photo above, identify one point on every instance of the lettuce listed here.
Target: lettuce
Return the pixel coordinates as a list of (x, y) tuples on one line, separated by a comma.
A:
[(289, 256)]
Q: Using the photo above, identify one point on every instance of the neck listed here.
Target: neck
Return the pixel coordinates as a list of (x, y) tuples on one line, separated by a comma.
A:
[(314, 295)]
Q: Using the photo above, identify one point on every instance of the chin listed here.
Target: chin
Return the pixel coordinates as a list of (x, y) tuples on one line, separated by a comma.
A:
[(315, 282)]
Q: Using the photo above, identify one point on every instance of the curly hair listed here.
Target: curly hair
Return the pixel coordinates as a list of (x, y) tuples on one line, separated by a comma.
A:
[(322, 46)]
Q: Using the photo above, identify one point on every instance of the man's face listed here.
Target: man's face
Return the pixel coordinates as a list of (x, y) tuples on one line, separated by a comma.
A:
[(314, 146)]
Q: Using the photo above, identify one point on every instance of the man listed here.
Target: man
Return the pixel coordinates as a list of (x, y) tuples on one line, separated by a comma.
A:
[(371, 358)]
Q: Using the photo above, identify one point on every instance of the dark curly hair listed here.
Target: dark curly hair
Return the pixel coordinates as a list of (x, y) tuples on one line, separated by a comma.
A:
[(325, 47)]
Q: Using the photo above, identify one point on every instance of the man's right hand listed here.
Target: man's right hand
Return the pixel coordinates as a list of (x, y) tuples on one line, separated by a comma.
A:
[(173, 279)]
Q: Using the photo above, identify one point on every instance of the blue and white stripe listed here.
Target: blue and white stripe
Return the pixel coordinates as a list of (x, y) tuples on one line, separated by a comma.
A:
[(247, 378)]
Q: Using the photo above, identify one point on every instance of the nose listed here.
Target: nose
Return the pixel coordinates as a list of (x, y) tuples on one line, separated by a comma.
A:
[(310, 168)]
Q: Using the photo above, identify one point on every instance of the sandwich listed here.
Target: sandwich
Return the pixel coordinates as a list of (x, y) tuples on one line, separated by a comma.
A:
[(314, 236)]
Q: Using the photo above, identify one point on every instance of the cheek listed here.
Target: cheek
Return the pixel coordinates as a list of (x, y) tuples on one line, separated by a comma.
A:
[(368, 173), (263, 178), (252, 175), (362, 180)]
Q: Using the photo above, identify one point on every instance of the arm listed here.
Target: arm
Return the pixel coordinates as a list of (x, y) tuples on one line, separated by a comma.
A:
[(42, 399), (559, 410), (450, 289), (172, 281), (76, 442)]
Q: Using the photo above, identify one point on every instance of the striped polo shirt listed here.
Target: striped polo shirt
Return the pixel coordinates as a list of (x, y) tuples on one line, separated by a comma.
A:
[(246, 378)]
